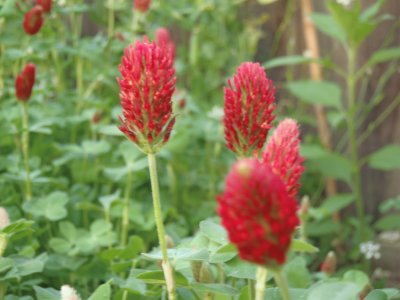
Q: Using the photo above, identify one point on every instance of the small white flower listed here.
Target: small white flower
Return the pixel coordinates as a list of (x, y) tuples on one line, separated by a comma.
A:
[(4, 219), (68, 293), (216, 113), (344, 2), (370, 250)]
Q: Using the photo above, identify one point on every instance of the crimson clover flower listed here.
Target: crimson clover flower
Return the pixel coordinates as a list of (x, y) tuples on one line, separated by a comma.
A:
[(24, 82), (163, 39), (33, 20), (141, 5), (146, 86), (248, 107), (282, 154), (45, 4), (258, 213)]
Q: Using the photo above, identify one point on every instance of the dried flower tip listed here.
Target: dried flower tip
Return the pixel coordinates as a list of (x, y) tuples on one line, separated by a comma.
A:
[(4, 218), (69, 293), (33, 20), (329, 264), (258, 213), (24, 82), (283, 154), (141, 5), (249, 103)]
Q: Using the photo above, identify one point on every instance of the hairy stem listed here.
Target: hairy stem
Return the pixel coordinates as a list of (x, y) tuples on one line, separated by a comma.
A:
[(25, 150), (352, 132), (260, 284), (282, 284), (168, 272)]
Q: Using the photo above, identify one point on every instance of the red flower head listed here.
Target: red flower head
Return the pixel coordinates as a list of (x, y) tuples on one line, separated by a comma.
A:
[(45, 4), (282, 154), (24, 82), (146, 88), (249, 103), (141, 5), (33, 20), (163, 39), (258, 213)]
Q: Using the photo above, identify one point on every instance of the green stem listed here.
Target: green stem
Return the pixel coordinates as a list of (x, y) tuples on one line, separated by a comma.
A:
[(251, 288), (282, 285), (352, 129), (260, 284), (168, 272), (25, 150), (111, 19), (125, 212), (3, 290)]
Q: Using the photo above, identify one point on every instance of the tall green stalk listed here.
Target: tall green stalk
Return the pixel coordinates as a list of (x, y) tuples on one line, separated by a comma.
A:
[(282, 284), (352, 130), (25, 150), (260, 284), (111, 18), (125, 211), (168, 272)]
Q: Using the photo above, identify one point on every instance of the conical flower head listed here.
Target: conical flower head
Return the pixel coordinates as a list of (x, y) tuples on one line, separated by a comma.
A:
[(249, 103), (141, 5), (163, 39), (146, 88), (24, 82), (282, 153), (33, 20), (258, 213)]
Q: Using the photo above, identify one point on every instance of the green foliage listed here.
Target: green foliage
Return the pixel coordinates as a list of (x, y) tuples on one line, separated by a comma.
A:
[(386, 158)]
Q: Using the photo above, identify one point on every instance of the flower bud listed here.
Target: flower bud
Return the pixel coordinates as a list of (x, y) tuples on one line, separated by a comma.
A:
[(202, 272), (206, 275), (329, 264)]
